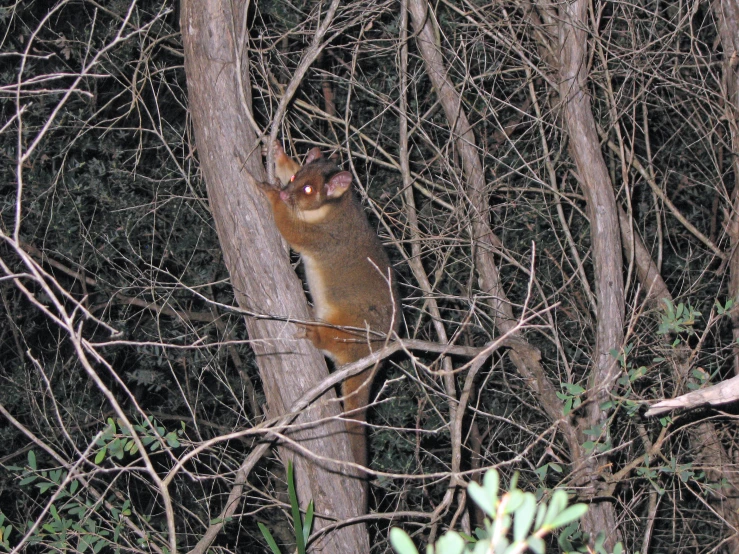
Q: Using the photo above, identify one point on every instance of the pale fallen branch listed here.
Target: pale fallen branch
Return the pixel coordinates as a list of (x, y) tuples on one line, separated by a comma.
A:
[(721, 393)]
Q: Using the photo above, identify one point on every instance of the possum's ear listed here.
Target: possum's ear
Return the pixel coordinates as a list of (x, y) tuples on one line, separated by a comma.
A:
[(338, 184), (313, 155), (285, 166)]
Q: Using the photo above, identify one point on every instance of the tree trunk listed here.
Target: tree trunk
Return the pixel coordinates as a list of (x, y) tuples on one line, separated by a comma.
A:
[(601, 517), (258, 263), (714, 454), (604, 233), (727, 21)]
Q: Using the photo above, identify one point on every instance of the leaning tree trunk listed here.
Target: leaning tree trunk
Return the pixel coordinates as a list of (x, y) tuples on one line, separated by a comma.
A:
[(609, 285), (259, 266)]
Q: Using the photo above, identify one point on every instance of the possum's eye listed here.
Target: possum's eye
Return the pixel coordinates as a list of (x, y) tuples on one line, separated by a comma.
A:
[(307, 189), (292, 178)]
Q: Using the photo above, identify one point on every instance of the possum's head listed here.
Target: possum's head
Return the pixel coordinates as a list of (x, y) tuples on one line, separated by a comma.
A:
[(316, 186)]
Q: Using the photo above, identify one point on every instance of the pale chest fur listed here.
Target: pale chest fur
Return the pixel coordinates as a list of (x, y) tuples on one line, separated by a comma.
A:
[(313, 216), (318, 288)]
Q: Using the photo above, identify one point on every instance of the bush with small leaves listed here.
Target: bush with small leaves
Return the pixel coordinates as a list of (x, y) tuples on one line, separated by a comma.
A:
[(513, 507)]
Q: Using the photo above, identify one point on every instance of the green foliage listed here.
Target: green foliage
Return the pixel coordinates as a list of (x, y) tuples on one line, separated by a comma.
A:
[(571, 540), (5, 531), (677, 319), (685, 472), (152, 435), (572, 396), (73, 521), (531, 521), (725, 309), (301, 527)]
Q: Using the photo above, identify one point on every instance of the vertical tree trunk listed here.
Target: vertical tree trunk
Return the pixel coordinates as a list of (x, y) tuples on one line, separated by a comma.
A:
[(727, 21), (260, 271), (713, 452), (604, 233)]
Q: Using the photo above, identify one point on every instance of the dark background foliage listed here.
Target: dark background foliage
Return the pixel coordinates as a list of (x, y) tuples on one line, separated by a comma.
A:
[(114, 211)]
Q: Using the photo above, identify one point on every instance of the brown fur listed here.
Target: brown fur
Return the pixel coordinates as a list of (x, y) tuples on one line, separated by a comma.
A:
[(346, 268)]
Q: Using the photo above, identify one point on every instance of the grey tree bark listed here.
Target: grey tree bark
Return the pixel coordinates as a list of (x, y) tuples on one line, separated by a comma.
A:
[(258, 262), (604, 233)]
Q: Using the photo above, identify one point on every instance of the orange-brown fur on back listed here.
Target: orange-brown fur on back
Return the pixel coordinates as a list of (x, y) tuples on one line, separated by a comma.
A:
[(348, 272)]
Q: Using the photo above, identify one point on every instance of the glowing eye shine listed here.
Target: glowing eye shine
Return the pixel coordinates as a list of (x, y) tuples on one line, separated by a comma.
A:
[(292, 178), (308, 189)]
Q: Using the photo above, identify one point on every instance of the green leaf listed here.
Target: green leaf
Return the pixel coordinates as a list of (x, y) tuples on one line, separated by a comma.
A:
[(295, 507), (567, 408), (524, 517), (28, 480), (401, 542), (77, 510), (599, 541), (515, 499), (540, 513), (100, 456), (556, 505), (573, 388), (43, 487), (482, 498), (308, 522), (573, 513), (172, 440), (482, 547), (491, 482), (502, 545), (268, 537), (32, 460), (450, 543), (537, 545), (99, 546)]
